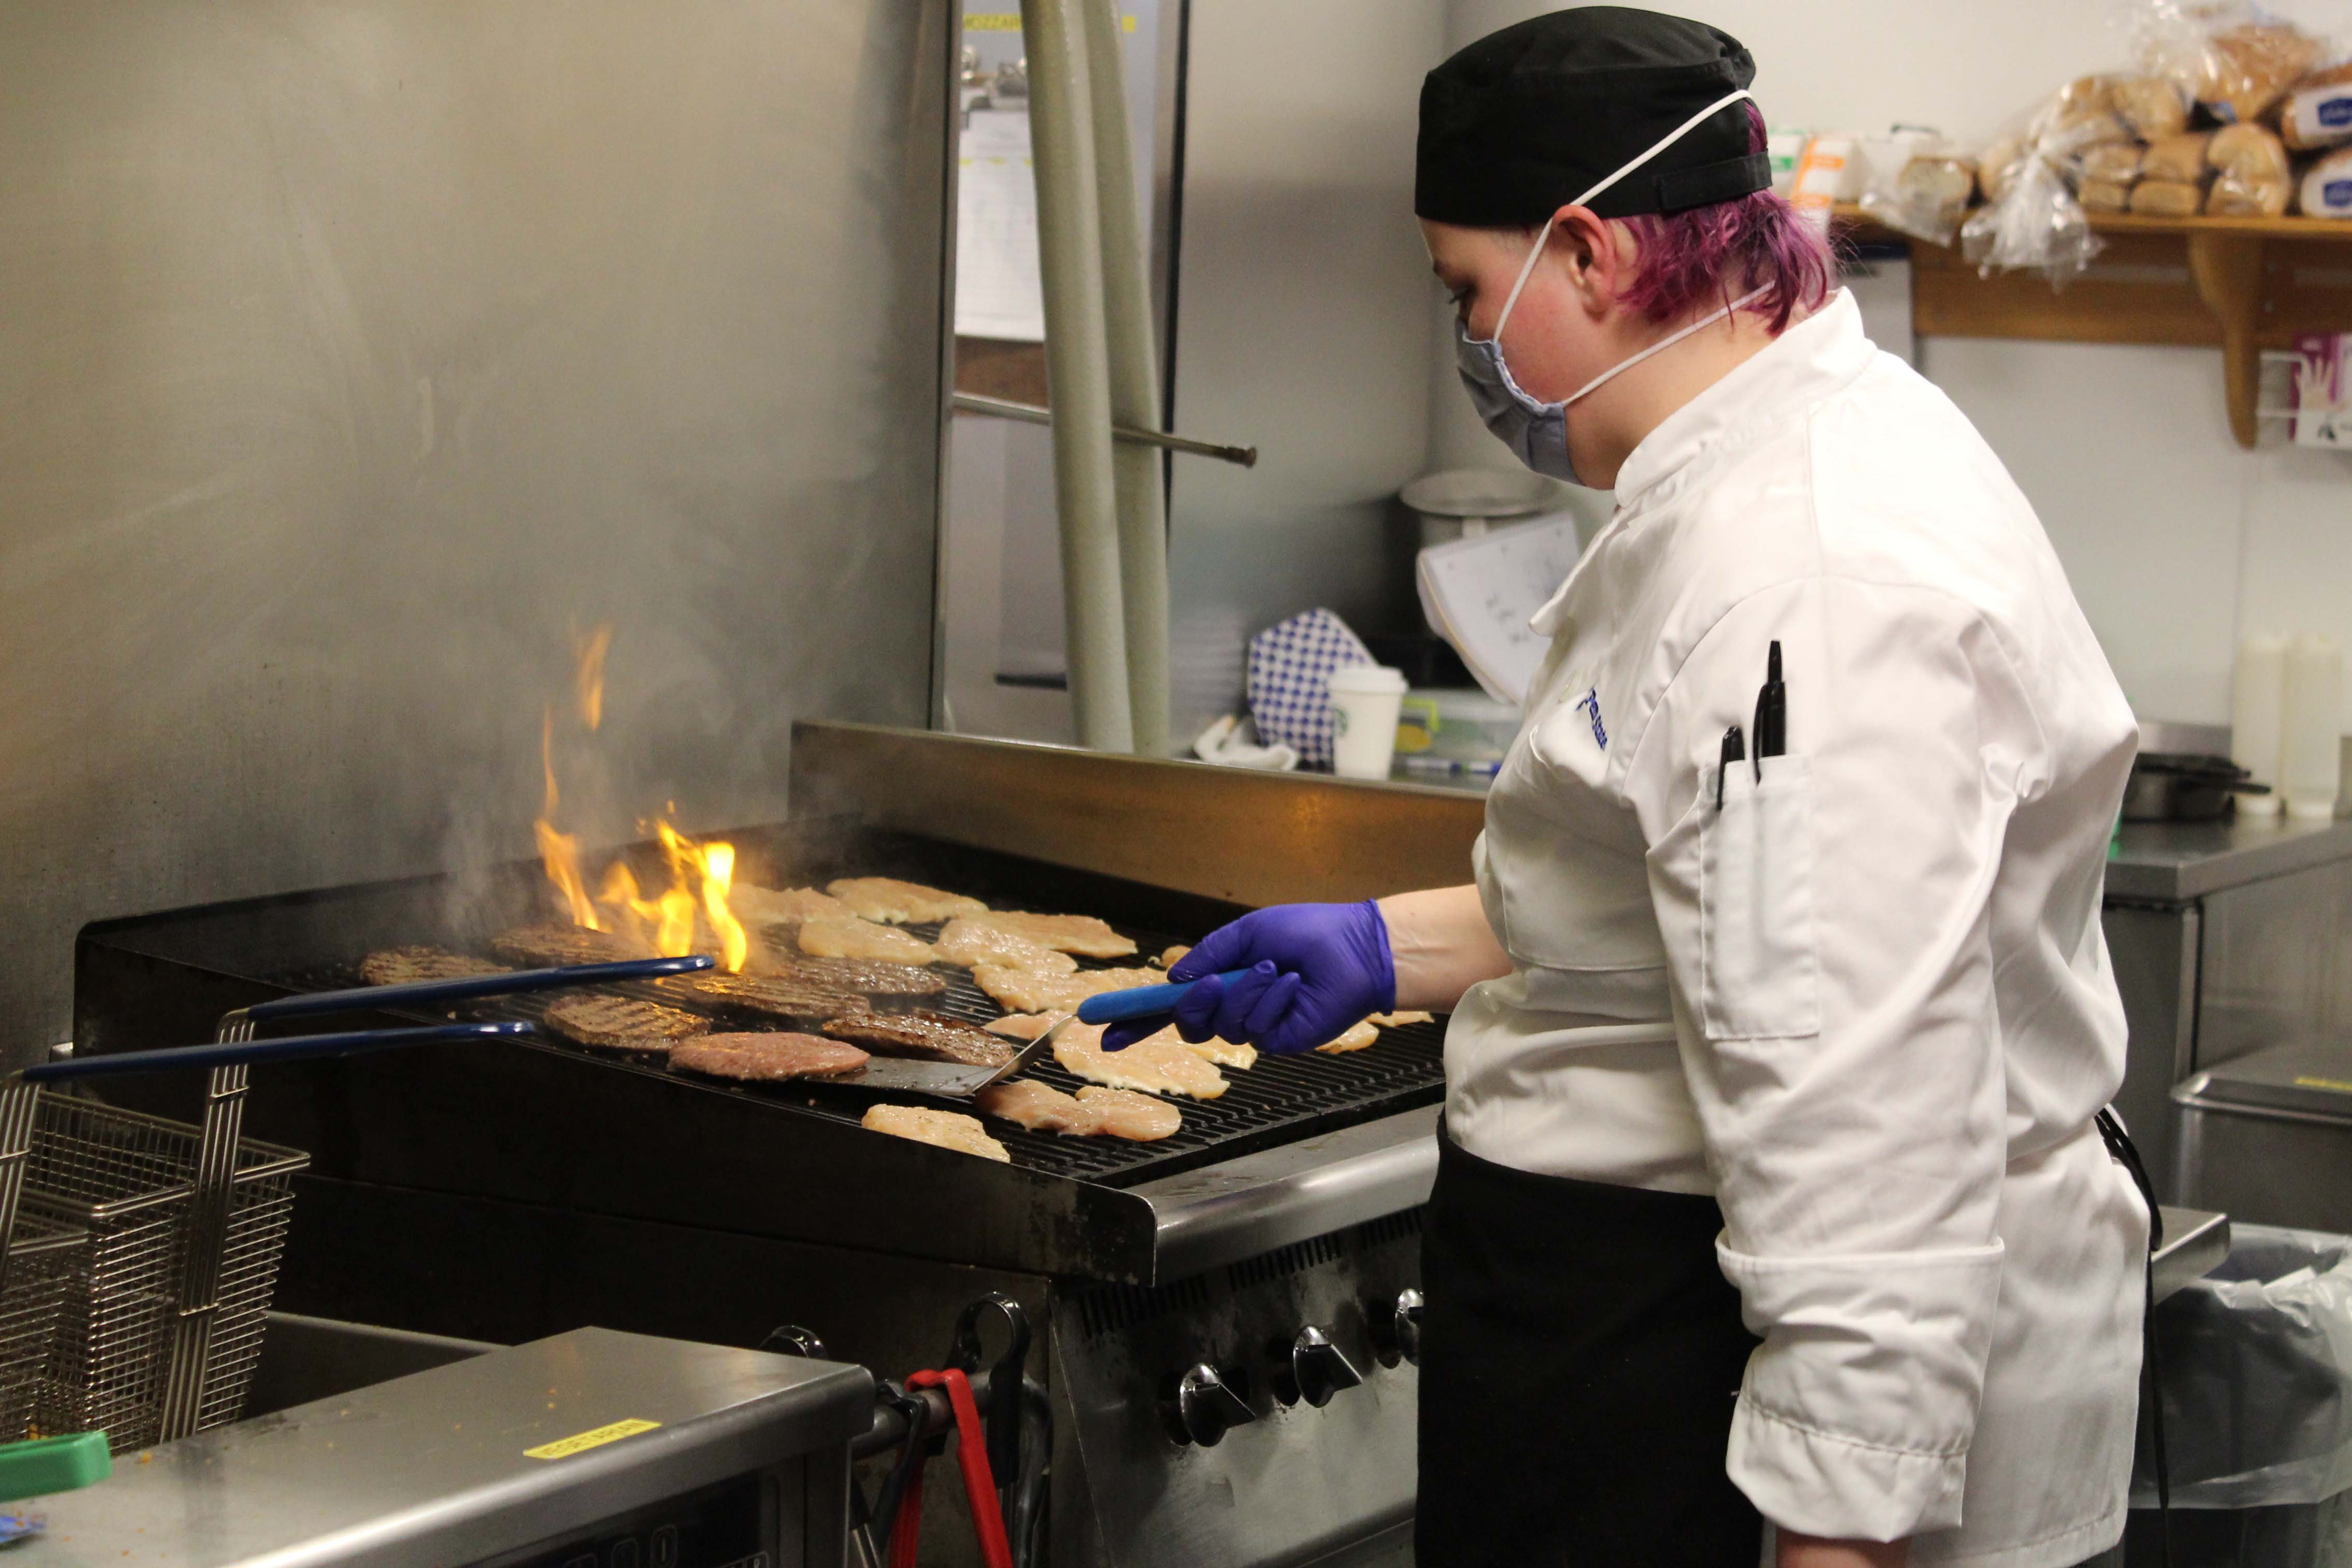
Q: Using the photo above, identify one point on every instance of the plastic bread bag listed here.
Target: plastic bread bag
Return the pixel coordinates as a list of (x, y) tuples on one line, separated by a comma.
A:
[(2103, 196), (2153, 107), (2326, 189), (1926, 191), (2248, 195), (2117, 163), (2247, 152), (2179, 158), (2168, 199), (2236, 60), (2030, 219), (2317, 114)]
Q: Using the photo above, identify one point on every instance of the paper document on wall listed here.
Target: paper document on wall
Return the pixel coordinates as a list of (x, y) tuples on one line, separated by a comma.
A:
[(998, 291), (1479, 594)]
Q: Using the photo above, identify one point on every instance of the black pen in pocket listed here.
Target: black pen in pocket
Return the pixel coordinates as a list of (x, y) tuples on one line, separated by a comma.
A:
[(1734, 749)]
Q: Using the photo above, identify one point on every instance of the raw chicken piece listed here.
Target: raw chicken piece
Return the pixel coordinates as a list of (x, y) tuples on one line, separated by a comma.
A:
[(1237, 1055), (1357, 1037), (1025, 991), (1123, 1113), (972, 942), (788, 906), (1021, 1026), (1397, 1020), (1095, 1113), (1169, 959), (855, 938), (1154, 1066), (893, 902), (947, 1129), (1081, 934)]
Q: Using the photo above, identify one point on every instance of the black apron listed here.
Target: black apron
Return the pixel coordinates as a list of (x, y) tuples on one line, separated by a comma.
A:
[(1580, 1355)]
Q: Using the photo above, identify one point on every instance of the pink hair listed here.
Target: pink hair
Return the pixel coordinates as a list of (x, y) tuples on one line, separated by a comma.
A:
[(1714, 254)]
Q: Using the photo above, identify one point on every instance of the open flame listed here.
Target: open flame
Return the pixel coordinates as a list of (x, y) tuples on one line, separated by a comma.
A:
[(701, 876)]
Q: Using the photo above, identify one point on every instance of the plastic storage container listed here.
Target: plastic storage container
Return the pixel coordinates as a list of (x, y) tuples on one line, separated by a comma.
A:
[(1464, 726)]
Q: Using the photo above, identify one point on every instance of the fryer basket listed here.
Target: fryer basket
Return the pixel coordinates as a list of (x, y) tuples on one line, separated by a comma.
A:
[(129, 1180)]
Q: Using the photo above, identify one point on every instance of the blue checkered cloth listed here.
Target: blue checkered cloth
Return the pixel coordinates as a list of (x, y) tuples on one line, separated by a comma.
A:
[(1289, 666)]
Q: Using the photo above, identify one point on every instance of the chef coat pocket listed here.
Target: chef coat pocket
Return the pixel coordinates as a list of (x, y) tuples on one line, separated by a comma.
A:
[(1759, 952)]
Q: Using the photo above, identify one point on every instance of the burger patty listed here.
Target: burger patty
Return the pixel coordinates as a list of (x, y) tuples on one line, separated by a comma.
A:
[(758, 995), (623, 1023), (757, 1059), (902, 982), (406, 965), (558, 943), (922, 1036)]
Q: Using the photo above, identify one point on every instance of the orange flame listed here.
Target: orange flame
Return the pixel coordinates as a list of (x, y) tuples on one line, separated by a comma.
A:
[(701, 876)]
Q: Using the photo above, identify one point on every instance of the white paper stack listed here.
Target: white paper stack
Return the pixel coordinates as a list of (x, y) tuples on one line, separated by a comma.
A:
[(1478, 594)]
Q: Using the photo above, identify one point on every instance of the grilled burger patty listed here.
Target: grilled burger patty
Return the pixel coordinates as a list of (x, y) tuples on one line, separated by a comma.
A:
[(922, 1036), (757, 1059), (557, 943), (759, 995), (404, 965), (860, 976), (623, 1023)]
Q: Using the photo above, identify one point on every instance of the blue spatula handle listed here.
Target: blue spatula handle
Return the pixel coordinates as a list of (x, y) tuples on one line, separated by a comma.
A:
[(244, 1053), (432, 992), (1143, 1002)]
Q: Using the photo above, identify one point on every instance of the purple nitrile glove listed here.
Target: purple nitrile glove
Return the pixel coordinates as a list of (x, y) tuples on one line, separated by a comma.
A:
[(1314, 971)]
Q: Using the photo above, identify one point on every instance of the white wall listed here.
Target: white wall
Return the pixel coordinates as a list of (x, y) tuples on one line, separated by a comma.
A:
[(2174, 537)]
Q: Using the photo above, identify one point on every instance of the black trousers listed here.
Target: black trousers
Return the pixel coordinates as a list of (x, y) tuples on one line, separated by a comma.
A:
[(1581, 1354)]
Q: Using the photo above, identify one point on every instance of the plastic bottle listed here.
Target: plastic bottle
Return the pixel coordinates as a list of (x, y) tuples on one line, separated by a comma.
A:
[(2257, 701), (2310, 767)]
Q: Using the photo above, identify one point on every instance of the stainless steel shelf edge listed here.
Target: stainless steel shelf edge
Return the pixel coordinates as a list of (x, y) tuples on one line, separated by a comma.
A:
[(1222, 1214), (2174, 861), (2195, 1243)]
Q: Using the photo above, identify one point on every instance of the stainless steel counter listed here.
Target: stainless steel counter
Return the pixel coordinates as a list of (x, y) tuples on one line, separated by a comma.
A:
[(2176, 861)]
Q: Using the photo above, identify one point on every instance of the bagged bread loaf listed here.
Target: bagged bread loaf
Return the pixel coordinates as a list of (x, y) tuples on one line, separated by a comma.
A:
[(2247, 69), (2179, 158), (2316, 116), (2326, 190), (2115, 162), (2103, 196), (2153, 105), (2247, 152), (2167, 198), (1997, 165), (2245, 196), (2083, 114)]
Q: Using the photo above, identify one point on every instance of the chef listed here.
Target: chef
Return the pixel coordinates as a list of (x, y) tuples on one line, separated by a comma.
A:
[(1767, 1186)]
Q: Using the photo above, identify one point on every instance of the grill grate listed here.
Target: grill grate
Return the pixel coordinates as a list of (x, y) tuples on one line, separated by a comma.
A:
[(1278, 1100)]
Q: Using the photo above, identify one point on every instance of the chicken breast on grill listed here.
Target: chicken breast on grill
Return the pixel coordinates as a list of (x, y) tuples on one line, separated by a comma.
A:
[(406, 965), (1025, 991), (1021, 1026), (767, 1058), (1092, 1112), (946, 1128), (1082, 934), (894, 902), (784, 906), (1155, 1066), (855, 938), (972, 942), (1354, 1038)]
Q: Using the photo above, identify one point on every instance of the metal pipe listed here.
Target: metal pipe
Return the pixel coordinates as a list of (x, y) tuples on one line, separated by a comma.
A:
[(1134, 386), (1077, 366), (1030, 414)]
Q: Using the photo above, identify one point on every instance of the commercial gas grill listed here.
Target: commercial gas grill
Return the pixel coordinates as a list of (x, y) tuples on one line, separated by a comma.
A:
[(1231, 1371)]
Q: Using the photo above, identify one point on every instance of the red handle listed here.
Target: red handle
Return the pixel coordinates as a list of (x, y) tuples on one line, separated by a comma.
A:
[(978, 1483)]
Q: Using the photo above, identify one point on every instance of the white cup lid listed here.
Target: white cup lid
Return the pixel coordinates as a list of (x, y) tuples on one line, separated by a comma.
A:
[(1362, 678)]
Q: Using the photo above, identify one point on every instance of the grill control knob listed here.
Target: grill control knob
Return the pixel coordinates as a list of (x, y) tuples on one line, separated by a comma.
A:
[(1318, 1368), (1408, 1325), (1207, 1408)]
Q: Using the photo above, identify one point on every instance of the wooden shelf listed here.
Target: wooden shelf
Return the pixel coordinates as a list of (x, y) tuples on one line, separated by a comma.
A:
[(2239, 284)]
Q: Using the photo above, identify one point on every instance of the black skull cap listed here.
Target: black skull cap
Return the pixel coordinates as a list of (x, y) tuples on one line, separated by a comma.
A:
[(1524, 121)]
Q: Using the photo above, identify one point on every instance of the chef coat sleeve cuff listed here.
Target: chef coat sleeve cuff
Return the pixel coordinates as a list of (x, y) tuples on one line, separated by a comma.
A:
[(1855, 1416)]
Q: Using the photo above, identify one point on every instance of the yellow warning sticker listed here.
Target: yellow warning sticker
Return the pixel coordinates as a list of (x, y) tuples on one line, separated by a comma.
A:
[(580, 1443), (2339, 1085), (1010, 22)]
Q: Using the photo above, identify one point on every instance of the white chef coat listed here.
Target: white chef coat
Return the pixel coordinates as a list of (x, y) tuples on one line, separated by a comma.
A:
[(1865, 1003)]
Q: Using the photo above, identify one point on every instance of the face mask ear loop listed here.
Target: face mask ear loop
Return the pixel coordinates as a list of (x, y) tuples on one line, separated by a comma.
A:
[(1527, 268)]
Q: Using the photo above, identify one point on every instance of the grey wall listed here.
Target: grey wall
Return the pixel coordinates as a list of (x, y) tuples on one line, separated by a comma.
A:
[(1302, 324), (355, 352)]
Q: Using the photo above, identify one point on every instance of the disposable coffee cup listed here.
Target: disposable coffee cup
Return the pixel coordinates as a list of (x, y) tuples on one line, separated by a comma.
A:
[(1366, 702)]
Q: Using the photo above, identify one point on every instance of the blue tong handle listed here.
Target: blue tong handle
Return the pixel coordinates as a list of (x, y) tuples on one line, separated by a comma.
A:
[(432, 992), (1143, 1002), (296, 1047)]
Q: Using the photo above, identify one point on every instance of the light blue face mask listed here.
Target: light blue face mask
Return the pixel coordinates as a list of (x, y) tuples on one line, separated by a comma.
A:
[(1537, 431)]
